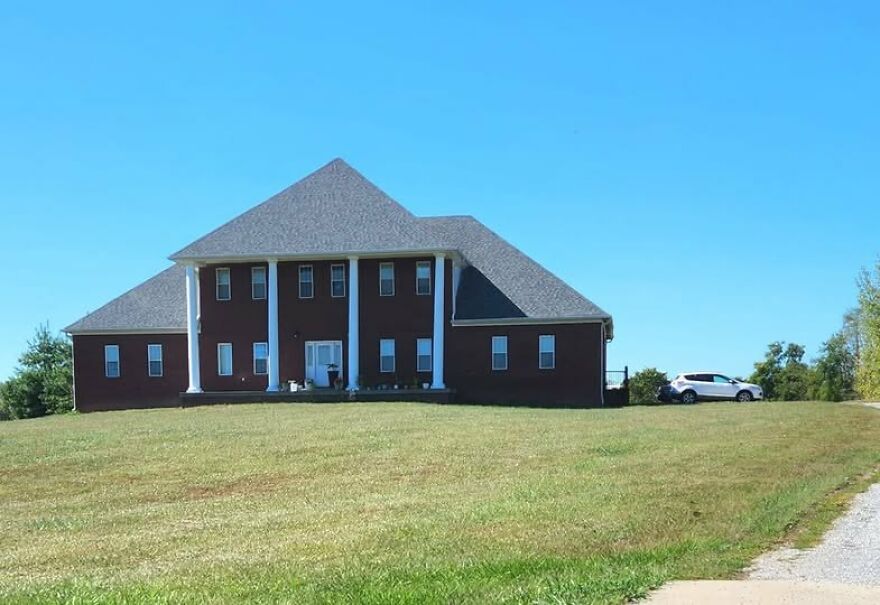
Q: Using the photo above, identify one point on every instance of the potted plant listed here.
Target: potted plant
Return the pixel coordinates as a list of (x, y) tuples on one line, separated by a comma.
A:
[(426, 385), (310, 384), (332, 373)]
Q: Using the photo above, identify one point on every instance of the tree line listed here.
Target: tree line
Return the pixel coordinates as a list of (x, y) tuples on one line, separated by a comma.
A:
[(43, 381), (847, 367)]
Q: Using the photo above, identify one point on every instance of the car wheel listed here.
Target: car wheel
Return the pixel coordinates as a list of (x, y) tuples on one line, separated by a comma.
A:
[(689, 397), (744, 396)]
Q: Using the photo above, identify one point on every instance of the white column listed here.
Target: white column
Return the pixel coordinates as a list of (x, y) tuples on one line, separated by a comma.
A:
[(272, 364), (439, 319), (353, 325), (456, 280), (192, 329)]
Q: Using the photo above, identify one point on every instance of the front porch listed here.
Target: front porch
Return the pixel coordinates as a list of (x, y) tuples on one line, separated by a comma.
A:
[(318, 396)]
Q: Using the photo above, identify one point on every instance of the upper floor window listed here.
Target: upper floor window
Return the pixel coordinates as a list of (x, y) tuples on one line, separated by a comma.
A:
[(423, 277), (258, 283), (386, 279), (224, 284), (547, 351), (154, 361), (261, 358), (337, 281), (386, 355), (423, 354), (499, 352), (306, 281), (224, 359), (111, 361)]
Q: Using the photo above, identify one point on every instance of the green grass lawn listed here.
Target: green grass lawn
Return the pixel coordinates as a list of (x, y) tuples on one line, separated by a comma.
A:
[(410, 503)]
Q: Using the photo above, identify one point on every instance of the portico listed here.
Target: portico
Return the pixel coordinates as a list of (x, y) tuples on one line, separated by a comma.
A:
[(352, 331)]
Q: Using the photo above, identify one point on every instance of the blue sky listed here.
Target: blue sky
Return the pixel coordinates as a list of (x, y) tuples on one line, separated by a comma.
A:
[(707, 174)]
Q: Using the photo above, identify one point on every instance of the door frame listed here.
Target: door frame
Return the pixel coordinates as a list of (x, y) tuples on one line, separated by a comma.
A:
[(314, 344)]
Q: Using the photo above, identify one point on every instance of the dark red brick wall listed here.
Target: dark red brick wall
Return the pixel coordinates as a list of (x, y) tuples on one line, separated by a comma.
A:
[(576, 380), (134, 388), (300, 319), (406, 316), (240, 321)]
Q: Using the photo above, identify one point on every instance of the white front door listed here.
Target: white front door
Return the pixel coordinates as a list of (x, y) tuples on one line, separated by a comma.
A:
[(319, 355)]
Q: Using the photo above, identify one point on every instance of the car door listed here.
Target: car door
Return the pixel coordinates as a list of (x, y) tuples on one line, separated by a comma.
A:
[(722, 388), (701, 384)]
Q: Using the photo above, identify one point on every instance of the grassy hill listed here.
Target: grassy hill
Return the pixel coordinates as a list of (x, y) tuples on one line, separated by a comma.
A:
[(391, 503)]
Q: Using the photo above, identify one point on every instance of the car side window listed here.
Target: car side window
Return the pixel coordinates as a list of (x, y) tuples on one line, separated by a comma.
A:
[(690, 377), (703, 378), (719, 379)]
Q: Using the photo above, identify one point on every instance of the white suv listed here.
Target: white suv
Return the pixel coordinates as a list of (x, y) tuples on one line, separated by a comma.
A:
[(694, 386)]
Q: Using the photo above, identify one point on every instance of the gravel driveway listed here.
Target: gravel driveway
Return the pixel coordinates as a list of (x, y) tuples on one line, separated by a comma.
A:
[(849, 553)]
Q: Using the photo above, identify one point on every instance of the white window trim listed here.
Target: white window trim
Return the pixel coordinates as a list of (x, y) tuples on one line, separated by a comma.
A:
[(299, 281), (333, 266), (430, 279), (493, 353), (217, 273), (254, 351), (220, 359), (429, 355), (161, 361), (393, 279), (254, 271), (393, 356), (552, 351), (107, 361)]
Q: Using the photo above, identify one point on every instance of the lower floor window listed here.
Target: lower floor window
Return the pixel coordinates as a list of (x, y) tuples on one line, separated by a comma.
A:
[(499, 352), (423, 355), (386, 355), (261, 358), (111, 361), (154, 361), (546, 352), (224, 359)]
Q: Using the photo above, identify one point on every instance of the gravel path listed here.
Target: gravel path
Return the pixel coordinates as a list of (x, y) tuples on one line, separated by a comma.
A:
[(849, 553)]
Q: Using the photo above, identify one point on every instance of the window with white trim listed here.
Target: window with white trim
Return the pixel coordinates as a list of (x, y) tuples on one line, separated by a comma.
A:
[(306, 281), (386, 279), (111, 361), (546, 351), (261, 358), (337, 281), (258, 283), (423, 278), (424, 350), (386, 355), (499, 352), (224, 359), (224, 284), (154, 361)]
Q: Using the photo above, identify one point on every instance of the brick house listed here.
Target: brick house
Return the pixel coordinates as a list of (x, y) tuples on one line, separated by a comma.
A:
[(333, 276)]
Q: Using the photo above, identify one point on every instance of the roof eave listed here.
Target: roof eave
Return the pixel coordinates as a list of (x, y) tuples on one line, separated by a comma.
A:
[(252, 258), (514, 321)]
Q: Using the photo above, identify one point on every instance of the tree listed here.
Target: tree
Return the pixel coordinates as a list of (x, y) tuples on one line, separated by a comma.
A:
[(42, 384), (782, 374), (834, 373), (868, 371), (643, 385)]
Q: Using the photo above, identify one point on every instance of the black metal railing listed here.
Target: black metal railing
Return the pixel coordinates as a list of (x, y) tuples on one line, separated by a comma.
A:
[(617, 387)]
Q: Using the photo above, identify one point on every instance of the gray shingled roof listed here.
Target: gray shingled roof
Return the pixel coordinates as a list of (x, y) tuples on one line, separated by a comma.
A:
[(502, 282), (344, 213), (334, 210), (157, 304)]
